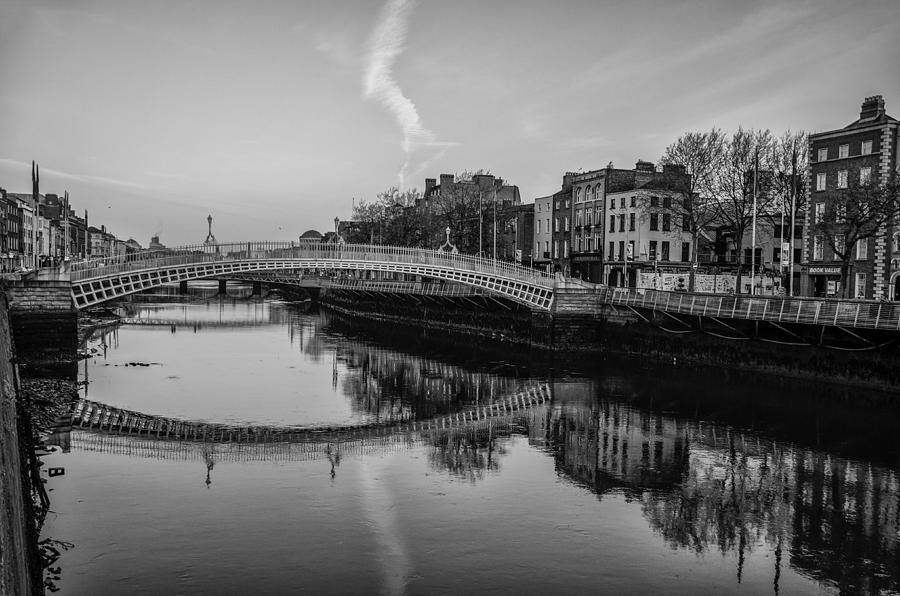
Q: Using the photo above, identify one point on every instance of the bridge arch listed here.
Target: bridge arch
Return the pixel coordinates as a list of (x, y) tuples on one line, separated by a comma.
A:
[(97, 281)]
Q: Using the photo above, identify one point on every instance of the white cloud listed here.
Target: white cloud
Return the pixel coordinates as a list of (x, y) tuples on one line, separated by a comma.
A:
[(385, 46)]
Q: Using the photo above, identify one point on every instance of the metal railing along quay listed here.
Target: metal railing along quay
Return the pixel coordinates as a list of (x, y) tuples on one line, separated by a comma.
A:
[(256, 251), (865, 314)]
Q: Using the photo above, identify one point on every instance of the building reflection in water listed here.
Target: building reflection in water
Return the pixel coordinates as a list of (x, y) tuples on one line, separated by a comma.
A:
[(708, 488)]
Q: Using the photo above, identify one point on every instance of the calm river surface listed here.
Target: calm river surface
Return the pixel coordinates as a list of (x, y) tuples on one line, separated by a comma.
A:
[(518, 476)]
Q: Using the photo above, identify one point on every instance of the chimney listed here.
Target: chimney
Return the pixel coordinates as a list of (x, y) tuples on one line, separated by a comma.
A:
[(643, 171), (103, 228), (674, 169), (872, 107)]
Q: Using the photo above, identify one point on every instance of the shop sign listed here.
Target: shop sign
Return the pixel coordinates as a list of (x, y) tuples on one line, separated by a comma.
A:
[(822, 270)]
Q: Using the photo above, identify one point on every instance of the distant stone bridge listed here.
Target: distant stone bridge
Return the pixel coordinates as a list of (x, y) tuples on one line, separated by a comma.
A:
[(99, 280)]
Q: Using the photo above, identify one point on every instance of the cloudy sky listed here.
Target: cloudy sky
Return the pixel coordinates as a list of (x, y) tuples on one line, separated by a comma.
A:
[(274, 116)]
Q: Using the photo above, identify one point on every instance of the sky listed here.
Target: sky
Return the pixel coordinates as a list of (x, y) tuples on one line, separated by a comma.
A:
[(274, 117)]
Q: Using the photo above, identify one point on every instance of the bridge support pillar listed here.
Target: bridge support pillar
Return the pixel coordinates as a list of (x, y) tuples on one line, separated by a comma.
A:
[(257, 288), (223, 286), (44, 324), (182, 287)]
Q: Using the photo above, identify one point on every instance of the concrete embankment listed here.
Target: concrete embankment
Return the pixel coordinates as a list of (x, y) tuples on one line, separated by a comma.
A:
[(17, 546)]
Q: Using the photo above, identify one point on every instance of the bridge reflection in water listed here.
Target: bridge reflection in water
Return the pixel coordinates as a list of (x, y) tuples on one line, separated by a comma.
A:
[(701, 487), (705, 487)]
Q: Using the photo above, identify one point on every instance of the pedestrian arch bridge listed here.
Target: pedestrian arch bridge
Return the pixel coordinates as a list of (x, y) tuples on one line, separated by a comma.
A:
[(98, 280)]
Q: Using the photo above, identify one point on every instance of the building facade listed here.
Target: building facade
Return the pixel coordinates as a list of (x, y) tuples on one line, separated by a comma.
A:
[(543, 235), (863, 152)]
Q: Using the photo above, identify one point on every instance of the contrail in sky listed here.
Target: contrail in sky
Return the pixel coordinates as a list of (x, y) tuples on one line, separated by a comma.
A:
[(385, 45)]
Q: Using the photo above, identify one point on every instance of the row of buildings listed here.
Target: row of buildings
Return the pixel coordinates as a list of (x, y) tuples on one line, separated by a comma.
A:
[(43, 230), (630, 227)]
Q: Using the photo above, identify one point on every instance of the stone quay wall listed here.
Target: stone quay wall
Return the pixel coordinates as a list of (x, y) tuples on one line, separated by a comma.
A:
[(44, 324), (15, 567)]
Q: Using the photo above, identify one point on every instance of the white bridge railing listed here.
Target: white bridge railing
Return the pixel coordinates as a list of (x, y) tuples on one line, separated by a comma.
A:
[(256, 251), (864, 314)]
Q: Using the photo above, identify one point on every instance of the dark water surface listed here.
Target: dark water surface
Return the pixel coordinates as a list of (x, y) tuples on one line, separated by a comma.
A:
[(624, 478)]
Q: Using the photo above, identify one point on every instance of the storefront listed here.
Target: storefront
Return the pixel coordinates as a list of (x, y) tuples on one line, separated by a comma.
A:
[(825, 280)]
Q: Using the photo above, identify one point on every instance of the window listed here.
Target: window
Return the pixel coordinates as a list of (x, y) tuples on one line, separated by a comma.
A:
[(653, 250), (654, 201), (654, 221), (621, 250), (622, 222), (820, 181), (685, 223), (631, 222), (865, 176), (842, 179), (612, 249), (840, 244), (823, 154), (667, 222), (866, 148), (820, 212), (566, 248), (667, 202), (556, 225), (665, 251), (612, 203), (548, 225), (547, 248), (860, 285), (818, 248), (567, 223), (622, 202), (539, 227), (579, 217), (685, 251), (862, 249), (612, 223), (633, 200), (578, 195), (840, 213), (843, 151), (588, 242), (631, 249), (556, 249), (589, 218), (579, 244)]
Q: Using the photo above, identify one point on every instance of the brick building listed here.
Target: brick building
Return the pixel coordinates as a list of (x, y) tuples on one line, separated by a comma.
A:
[(864, 151)]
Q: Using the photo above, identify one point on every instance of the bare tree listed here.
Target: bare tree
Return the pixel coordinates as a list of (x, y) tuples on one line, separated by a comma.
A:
[(790, 163), (855, 214), (701, 154), (740, 192)]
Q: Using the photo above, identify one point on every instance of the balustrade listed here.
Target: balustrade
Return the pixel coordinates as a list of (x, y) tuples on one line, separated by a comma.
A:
[(867, 314), (256, 251)]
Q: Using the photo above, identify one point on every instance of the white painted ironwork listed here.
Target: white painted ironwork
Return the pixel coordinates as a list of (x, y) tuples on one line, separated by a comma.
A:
[(98, 280), (863, 314)]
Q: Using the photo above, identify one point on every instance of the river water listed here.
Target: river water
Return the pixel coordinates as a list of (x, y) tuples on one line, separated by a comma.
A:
[(417, 466)]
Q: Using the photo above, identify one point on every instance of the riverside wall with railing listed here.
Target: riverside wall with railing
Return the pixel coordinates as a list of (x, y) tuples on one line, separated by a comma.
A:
[(861, 314)]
